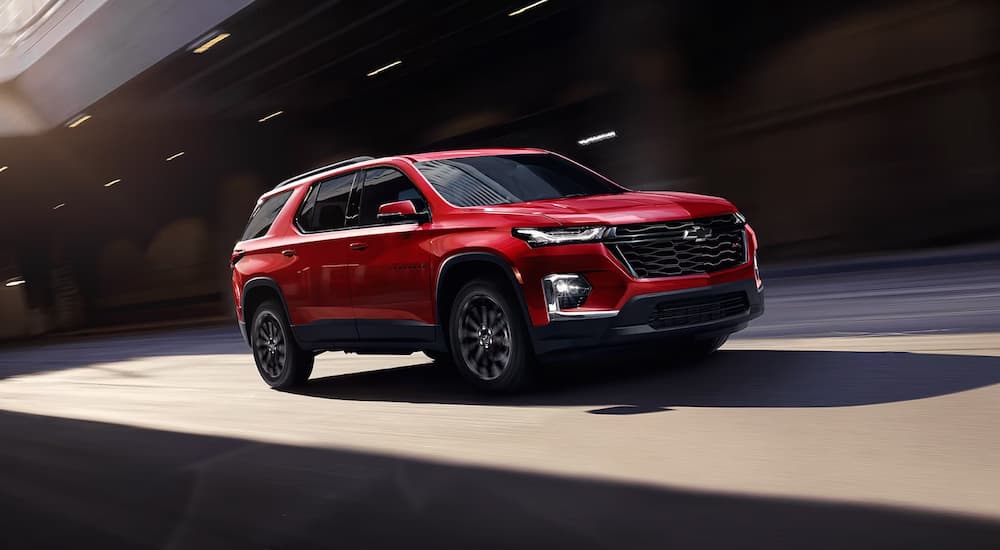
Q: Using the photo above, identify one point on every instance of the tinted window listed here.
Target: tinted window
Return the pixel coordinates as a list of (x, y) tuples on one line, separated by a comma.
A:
[(328, 209), (384, 185), (505, 179), (306, 209), (263, 216)]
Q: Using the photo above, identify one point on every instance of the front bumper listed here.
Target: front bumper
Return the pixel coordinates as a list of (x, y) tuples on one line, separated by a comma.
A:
[(632, 325)]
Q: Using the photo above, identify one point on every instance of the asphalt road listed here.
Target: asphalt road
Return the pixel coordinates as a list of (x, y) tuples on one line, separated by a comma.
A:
[(860, 411)]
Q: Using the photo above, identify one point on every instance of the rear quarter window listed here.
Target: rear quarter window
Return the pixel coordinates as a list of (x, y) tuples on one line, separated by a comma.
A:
[(264, 215)]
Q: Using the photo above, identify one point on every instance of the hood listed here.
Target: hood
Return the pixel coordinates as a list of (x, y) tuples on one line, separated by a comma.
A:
[(625, 208)]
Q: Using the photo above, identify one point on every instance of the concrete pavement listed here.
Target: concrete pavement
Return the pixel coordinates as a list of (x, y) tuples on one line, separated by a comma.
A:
[(860, 410)]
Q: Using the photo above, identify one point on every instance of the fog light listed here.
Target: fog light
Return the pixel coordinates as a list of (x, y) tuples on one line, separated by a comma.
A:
[(564, 291)]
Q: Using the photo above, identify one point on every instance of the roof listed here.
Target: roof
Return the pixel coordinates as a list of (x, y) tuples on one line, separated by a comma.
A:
[(324, 169), (440, 155), (361, 162)]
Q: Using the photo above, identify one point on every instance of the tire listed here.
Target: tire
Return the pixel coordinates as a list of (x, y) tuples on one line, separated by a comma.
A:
[(489, 337), (280, 361), (698, 348)]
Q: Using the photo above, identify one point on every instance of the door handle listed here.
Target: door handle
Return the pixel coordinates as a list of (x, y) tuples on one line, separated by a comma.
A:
[(288, 252), (358, 246)]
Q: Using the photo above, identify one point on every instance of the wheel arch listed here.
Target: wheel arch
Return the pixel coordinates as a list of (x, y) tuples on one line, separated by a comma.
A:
[(460, 268), (258, 290)]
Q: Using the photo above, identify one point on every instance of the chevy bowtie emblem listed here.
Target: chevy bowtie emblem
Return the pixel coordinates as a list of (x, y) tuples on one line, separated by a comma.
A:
[(697, 233)]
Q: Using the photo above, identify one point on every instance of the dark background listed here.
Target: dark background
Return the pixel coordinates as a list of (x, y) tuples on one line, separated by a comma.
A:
[(839, 128)]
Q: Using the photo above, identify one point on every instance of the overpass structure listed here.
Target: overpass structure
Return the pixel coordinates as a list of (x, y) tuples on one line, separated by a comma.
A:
[(59, 56)]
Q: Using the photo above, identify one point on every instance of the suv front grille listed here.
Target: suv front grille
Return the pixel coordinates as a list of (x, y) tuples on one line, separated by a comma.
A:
[(680, 313), (689, 247)]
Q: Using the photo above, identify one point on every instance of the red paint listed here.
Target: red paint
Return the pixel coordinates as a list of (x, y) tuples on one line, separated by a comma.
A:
[(391, 271)]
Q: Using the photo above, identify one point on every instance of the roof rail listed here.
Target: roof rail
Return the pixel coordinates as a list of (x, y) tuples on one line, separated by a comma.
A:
[(329, 167)]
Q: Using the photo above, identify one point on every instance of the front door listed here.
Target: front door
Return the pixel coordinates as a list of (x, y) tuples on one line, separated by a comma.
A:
[(391, 283)]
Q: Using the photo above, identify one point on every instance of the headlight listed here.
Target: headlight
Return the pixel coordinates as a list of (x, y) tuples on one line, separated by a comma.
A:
[(560, 235)]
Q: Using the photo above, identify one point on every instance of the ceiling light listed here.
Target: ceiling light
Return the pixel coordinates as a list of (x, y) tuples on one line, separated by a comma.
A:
[(387, 67), (58, 206), (175, 156), (597, 139), (4, 168), (112, 182), (207, 45), (15, 281), (78, 121), (270, 116), (526, 8)]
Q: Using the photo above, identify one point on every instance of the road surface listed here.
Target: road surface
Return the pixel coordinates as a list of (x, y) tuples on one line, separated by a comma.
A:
[(860, 411)]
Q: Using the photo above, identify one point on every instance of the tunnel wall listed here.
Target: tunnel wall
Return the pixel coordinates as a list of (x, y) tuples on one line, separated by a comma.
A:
[(873, 131), (13, 313), (877, 131)]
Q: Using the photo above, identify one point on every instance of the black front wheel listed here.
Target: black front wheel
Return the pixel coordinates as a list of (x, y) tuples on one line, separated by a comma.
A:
[(280, 361), (489, 337)]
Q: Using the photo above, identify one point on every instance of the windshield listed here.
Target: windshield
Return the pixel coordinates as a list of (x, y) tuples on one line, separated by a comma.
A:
[(506, 179)]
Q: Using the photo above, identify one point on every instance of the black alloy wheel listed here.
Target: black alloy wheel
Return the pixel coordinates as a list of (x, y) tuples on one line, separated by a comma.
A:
[(270, 346), (280, 361), (484, 337), (489, 338)]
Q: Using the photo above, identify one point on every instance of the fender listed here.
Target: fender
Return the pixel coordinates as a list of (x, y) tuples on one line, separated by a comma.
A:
[(456, 260), (257, 282)]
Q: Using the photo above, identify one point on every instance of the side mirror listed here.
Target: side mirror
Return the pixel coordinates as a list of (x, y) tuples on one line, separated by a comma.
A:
[(401, 211)]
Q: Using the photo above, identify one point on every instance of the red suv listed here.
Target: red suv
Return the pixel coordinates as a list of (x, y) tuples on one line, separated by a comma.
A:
[(487, 259)]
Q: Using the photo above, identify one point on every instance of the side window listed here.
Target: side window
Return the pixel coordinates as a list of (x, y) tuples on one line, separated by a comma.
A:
[(328, 209), (304, 218), (384, 185), (264, 215)]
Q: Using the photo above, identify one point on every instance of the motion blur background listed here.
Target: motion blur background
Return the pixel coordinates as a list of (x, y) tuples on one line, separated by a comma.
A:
[(839, 128), (860, 139)]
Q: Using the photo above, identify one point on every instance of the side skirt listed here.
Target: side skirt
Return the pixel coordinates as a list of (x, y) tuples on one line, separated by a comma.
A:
[(370, 336)]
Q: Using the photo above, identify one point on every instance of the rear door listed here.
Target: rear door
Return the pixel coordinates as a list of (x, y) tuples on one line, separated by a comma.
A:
[(391, 283), (324, 220)]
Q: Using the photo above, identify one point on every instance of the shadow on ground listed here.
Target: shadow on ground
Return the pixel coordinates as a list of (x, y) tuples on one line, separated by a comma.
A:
[(86, 351), (76, 484), (641, 384)]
